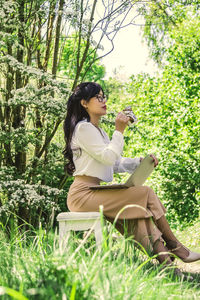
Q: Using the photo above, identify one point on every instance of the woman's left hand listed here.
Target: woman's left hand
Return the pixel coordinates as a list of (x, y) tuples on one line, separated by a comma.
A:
[(155, 160)]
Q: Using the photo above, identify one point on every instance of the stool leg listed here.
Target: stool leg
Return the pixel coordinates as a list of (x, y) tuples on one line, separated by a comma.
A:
[(64, 233), (98, 234)]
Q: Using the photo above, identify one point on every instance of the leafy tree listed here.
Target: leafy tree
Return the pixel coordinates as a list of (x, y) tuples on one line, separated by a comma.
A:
[(92, 69), (168, 106), (161, 17), (33, 95)]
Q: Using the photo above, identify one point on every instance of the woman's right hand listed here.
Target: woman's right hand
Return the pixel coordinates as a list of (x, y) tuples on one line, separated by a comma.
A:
[(121, 122)]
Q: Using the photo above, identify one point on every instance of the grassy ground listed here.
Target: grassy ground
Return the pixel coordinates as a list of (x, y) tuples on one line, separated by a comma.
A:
[(191, 238), (33, 267)]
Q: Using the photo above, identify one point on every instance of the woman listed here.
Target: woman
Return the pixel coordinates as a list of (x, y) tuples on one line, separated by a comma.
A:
[(93, 158)]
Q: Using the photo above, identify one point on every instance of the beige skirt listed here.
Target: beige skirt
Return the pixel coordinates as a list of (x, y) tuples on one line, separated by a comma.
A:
[(134, 206)]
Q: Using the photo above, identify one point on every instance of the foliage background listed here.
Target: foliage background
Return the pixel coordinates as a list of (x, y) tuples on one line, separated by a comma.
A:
[(42, 59)]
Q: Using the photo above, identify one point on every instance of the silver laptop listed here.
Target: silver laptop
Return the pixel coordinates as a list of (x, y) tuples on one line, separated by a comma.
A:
[(138, 177)]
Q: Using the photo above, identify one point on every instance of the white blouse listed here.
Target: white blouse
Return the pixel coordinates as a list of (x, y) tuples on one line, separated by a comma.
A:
[(94, 154)]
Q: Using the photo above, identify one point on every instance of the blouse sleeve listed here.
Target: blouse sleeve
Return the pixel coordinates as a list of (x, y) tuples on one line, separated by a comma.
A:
[(126, 164), (90, 139)]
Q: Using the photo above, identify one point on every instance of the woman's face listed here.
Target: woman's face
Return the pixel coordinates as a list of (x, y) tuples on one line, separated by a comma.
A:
[(96, 105)]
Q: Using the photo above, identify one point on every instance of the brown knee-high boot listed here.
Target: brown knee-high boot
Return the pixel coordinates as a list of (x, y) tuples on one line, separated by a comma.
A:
[(173, 243)]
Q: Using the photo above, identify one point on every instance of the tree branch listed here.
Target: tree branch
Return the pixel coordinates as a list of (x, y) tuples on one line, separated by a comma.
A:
[(57, 37), (49, 34)]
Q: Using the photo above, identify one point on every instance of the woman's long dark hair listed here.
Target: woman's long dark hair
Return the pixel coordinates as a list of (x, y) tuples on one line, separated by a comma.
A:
[(76, 113)]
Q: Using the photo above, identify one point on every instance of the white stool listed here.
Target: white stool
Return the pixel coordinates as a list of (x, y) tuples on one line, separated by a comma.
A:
[(79, 221)]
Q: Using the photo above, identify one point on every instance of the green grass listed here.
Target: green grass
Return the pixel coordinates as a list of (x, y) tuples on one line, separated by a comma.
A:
[(33, 267)]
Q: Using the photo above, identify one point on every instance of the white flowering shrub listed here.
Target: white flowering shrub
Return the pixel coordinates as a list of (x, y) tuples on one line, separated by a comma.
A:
[(39, 203), (32, 107)]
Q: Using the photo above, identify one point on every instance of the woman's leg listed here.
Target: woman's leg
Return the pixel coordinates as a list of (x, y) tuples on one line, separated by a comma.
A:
[(172, 243), (141, 203), (162, 251), (162, 224), (146, 234)]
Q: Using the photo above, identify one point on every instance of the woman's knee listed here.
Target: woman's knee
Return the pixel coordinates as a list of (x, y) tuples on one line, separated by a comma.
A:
[(146, 190), (151, 192)]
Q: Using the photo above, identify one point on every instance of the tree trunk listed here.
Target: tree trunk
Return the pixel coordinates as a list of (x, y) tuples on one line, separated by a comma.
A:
[(54, 71), (49, 36), (38, 121), (20, 111), (7, 111), (57, 37), (80, 66)]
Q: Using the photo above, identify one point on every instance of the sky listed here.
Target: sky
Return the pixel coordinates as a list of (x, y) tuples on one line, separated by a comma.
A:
[(130, 55)]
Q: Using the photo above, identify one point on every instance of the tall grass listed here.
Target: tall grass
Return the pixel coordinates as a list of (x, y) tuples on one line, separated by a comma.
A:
[(33, 267)]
